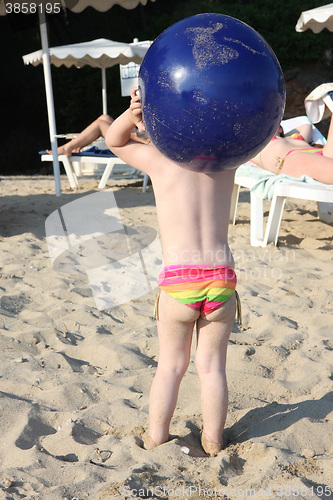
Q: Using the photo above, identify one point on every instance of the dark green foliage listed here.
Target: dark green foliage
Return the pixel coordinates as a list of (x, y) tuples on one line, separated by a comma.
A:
[(77, 93)]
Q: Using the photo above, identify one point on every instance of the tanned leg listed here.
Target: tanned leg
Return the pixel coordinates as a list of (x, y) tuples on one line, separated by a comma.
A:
[(96, 129)]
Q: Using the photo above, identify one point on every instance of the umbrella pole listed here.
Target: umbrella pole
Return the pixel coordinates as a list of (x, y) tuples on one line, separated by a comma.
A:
[(104, 96), (49, 99)]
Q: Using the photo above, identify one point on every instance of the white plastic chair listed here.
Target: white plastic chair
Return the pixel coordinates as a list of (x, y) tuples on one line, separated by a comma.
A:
[(322, 193), (72, 167)]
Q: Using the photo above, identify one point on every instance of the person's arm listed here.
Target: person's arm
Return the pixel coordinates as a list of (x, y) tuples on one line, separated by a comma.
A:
[(121, 130), (118, 138)]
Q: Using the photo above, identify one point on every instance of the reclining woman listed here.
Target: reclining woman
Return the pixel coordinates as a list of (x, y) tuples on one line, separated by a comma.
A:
[(98, 128), (292, 154)]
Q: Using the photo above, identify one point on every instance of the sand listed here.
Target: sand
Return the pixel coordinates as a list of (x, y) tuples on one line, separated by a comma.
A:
[(74, 380)]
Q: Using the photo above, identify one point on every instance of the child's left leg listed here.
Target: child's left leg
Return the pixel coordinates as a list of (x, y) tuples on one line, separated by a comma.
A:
[(175, 329)]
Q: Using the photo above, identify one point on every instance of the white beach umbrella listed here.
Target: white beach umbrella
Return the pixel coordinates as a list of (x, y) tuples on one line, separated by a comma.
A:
[(101, 53), (44, 7), (316, 19)]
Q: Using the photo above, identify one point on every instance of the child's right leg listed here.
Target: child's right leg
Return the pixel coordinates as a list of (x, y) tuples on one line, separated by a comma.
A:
[(213, 333)]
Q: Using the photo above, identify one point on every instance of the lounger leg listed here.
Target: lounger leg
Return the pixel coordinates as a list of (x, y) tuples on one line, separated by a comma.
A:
[(274, 220), (233, 205), (106, 173), (257, 220), (145, 182), (325, 212), (73, 182)]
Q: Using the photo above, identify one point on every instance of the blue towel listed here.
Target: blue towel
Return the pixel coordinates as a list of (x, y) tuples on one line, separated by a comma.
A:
[(264, 187), (93, 151)]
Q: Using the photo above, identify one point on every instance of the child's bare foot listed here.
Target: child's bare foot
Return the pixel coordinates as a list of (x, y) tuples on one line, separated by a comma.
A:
[(149, 443), (212, 448)]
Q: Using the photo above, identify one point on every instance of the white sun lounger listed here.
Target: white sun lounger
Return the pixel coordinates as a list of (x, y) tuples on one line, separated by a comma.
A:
[(284, 187), (109, 160)]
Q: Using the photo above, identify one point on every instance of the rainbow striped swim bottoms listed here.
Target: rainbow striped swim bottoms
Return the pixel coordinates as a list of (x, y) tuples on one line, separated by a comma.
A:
[(203, 288)]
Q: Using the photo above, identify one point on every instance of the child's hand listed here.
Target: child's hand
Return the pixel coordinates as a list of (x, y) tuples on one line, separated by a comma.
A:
[(136, 110)]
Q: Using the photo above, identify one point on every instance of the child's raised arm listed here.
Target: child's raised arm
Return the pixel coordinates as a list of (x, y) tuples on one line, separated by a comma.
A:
[(119, 138), (120, 133)]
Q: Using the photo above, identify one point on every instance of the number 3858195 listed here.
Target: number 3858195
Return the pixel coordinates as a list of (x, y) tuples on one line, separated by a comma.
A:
[(32, 7)]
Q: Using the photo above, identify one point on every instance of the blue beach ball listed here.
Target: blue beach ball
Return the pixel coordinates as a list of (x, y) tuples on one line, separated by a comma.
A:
[(211, 89)]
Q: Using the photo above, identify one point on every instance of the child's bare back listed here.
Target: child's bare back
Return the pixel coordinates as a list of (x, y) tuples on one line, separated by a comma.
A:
[(194, 225)]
